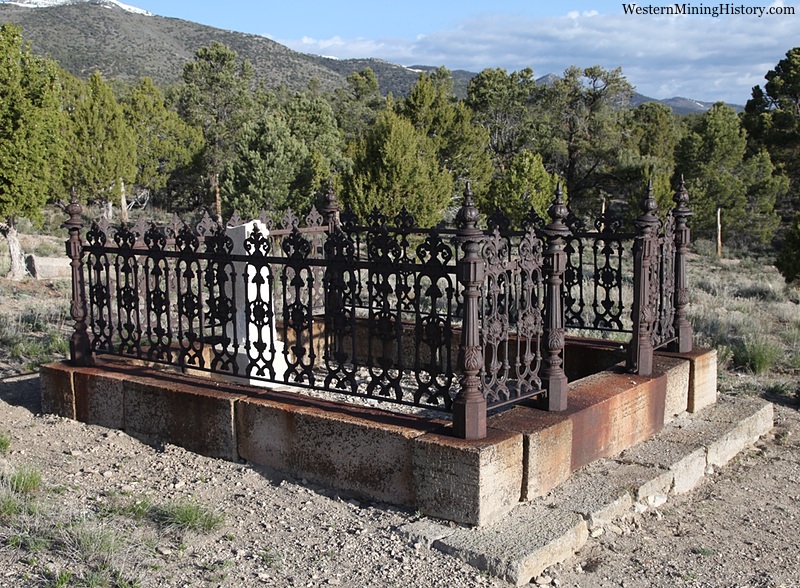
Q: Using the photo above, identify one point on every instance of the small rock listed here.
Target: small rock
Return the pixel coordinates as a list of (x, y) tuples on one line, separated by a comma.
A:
[(164, 550), (75, 452), (709, 470), (639, 508), (615, 529), (597, 532), (544, 581), (657, 500)]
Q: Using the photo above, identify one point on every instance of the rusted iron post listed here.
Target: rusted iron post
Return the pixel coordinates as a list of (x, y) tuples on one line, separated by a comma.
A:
[(469, 407), (683, 329), (79, 349), (554, 380), (643, 314)]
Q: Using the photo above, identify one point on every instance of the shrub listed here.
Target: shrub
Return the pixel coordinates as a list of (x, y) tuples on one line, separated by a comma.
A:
[(755, 355)]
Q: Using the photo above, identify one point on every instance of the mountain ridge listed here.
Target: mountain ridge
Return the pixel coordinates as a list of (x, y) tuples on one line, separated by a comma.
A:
[(129, 43)]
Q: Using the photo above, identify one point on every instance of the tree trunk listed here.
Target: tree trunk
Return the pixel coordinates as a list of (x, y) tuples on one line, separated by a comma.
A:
[(108, 210), (17, 271), (217, 199), (719, 232), (123, 204)]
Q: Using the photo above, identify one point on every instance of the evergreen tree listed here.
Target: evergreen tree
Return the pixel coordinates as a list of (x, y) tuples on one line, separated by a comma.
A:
[(579, 130), (31, 147), (266, 169), (164, 143), (102, 158), (396, 166), (650, 136), (718, 176), (459, 143), (311, 121), (501, 103), (772, 120), (216, 97), (357, 105), (522, 186)]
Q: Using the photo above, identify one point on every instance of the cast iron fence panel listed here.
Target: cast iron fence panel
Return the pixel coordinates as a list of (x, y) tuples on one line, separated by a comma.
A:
[(170, 295), (511, 312), (598, 262)]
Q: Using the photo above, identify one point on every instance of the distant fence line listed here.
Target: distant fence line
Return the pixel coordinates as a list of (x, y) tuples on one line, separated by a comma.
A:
[(462, 319)]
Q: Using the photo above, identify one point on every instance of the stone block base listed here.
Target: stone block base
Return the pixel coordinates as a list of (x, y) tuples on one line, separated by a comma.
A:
[(396, 458)]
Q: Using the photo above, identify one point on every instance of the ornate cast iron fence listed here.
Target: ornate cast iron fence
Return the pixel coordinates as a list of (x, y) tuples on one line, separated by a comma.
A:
[(458, 319)]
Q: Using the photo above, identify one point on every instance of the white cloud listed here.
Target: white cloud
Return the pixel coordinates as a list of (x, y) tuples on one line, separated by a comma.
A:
[(696, 56)]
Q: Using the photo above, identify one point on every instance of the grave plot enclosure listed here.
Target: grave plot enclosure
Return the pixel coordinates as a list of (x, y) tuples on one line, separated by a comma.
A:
[(460, 319)]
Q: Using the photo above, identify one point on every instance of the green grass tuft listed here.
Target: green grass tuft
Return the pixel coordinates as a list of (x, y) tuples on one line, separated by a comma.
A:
[(25, 480), (756, 355), (187, 516)]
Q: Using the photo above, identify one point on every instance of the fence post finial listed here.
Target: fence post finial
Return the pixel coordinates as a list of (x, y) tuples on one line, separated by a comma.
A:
[(645, 300), (79, 348), (554, 379), (681, 213), (469, 407)]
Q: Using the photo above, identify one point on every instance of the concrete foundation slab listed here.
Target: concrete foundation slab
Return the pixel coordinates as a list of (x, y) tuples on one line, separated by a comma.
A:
[(521, 548)]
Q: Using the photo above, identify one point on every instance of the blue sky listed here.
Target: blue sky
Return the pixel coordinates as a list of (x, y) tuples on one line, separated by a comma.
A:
[(701, 57)]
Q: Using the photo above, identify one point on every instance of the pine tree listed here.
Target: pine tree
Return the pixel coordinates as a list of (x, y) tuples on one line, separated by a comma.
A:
[(396, 166), (164, 142), (264, 171), (216, 96), (523, 186), (102, 158), (460, 144), (718, 176), (31, 147)]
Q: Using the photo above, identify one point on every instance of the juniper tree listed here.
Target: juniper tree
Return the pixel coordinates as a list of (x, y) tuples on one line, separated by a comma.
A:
[(164, 142), (101, 160), (216, 96), (31, 147)]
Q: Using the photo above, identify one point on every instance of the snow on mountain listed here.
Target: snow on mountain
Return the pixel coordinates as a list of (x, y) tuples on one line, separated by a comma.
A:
[(47, 3)]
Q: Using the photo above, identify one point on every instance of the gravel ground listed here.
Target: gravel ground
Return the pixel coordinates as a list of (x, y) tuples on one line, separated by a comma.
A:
[(97, 519)]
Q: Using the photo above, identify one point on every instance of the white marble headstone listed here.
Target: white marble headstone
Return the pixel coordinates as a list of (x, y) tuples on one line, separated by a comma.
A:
[(245, 332)]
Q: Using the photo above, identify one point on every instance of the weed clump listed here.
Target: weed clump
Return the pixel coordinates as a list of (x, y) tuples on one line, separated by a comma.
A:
[(756, 355), (187, 516)]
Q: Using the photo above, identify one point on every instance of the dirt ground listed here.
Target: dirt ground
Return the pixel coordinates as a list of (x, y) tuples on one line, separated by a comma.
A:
[(740, 528)]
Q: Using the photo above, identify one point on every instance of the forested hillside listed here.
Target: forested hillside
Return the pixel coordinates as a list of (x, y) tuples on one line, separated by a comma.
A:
[(221, 138)]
